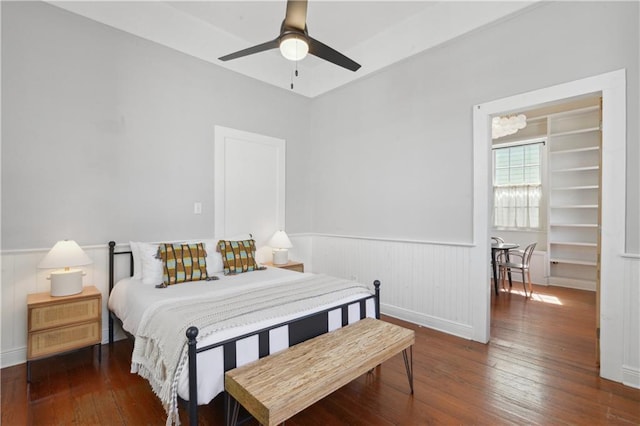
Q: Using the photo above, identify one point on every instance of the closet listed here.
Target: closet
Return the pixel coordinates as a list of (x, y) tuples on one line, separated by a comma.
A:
[(573, 234)]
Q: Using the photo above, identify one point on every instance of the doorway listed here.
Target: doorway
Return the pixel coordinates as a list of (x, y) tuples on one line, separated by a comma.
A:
[(613, 88)]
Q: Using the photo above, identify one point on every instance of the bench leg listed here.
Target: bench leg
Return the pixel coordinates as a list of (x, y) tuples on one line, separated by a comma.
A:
[(231, 410), (408, 365)]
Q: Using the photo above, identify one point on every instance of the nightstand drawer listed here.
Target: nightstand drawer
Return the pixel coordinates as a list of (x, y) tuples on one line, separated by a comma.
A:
[(55, 315), (63, 339)]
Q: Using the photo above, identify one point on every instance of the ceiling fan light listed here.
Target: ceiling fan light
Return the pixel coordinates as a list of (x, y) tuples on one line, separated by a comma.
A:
[(294, 47)]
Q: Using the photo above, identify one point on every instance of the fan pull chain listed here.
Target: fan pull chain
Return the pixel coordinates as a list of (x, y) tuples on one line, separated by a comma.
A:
[(296, 74)]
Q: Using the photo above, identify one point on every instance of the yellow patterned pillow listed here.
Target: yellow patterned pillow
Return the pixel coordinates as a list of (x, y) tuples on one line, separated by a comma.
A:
[(238, 256), (182, 262)]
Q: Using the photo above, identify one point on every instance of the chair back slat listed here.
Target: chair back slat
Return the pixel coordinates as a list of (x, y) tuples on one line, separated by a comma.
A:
[(528, 252)]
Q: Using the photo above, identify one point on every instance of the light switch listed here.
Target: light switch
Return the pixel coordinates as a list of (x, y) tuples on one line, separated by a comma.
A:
[(197, 207)]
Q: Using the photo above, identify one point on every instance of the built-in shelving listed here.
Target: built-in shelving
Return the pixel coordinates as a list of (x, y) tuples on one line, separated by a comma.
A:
[(574, 139)]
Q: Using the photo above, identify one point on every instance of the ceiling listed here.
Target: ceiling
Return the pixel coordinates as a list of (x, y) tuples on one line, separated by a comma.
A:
[(375, 34)]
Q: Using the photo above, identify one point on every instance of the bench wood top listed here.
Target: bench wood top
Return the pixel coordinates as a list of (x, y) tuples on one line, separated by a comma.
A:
[(280, 385)]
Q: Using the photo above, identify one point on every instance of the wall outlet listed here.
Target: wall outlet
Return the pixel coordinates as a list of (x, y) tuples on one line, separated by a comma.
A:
[(197, 207)]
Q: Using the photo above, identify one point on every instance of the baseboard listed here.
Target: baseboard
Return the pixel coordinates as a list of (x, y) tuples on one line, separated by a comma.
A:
[(451, 327), (572, 283), (13, 357), (631, 376)]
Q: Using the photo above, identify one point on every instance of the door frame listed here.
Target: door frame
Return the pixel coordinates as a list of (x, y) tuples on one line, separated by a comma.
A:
[(612, 87)]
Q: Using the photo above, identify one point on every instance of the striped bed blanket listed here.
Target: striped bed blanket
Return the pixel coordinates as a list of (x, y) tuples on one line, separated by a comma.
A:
[(160, 348)]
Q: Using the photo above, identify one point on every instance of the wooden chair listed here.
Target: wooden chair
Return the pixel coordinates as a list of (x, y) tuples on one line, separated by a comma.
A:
[(520, 265)]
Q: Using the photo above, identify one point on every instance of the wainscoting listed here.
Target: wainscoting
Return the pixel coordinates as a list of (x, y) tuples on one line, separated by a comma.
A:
[(631, 320), (425, 283)]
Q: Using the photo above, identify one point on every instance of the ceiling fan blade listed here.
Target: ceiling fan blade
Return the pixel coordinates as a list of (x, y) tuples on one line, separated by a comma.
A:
[(273, 44), (325, 52), (296, 16)]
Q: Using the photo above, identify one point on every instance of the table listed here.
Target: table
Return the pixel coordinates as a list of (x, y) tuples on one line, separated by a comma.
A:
[(495, 247), (58, 324)]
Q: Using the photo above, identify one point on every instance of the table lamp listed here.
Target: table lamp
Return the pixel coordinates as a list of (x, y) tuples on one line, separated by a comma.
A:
[(280, 243), (65, 254)]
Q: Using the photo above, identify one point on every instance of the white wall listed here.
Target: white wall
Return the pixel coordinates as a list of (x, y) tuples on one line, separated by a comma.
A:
[(109, 136), (385, 145), (384, 159)]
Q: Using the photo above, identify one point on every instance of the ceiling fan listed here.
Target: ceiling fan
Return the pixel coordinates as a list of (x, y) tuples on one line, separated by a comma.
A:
[(294, 41)]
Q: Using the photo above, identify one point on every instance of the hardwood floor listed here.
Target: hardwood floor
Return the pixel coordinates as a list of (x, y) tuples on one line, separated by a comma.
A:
[(539, 368)]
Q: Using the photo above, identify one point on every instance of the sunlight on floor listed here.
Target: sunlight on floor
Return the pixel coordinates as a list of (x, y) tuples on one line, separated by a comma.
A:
[(545, 298)]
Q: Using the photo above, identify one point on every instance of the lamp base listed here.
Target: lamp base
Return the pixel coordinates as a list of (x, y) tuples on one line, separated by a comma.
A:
[(66, 283), (280, 257)]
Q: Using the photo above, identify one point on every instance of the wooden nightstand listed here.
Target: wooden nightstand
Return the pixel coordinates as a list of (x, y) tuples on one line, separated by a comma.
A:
[(291, 265), (61, 324)]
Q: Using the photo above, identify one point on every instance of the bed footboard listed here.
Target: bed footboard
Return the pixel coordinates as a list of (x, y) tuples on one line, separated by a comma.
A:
[(300, 330)]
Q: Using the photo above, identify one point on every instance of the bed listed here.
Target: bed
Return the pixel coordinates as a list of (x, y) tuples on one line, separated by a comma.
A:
[(186, 336)]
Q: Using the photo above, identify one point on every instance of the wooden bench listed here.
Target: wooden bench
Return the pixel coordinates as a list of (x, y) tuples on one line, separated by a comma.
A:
[(279, 386)]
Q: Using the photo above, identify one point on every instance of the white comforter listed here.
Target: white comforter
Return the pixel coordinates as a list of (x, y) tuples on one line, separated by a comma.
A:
[(131, 300)]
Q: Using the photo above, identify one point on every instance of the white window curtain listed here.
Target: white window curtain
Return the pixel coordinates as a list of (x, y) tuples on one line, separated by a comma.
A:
[(517, 206)]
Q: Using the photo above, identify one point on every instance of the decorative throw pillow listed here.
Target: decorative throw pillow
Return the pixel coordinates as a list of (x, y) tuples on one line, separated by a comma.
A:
[(182, 262), (238, 256)]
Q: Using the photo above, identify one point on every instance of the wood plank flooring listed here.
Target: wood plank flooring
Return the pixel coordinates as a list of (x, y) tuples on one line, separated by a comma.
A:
[(539, 368)]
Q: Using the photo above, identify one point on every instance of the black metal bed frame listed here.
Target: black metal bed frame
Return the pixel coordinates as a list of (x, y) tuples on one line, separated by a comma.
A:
[(304, 328)]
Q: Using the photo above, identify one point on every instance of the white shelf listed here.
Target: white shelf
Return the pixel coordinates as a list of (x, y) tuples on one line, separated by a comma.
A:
[(576, 150), (572, 243), (572, 262), (574, 225), (576, 169), (571, 188), (576, 206), (575, 132)]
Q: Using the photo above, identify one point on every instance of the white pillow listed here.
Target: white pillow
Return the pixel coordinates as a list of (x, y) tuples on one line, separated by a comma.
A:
[(151, 267), (214, 257), (238, 237), (137, 263)]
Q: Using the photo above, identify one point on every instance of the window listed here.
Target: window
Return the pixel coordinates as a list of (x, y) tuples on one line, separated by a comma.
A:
[(517, 186)]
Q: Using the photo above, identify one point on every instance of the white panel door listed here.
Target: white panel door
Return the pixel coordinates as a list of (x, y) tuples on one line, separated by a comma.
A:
[(249, 184)]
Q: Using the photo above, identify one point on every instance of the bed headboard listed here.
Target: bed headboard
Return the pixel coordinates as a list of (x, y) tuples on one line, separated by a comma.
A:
[(112, 254)]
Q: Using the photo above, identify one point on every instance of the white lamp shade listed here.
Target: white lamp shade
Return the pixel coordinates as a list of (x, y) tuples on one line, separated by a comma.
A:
[(280, 240), (65, 254)]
